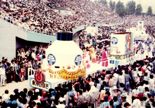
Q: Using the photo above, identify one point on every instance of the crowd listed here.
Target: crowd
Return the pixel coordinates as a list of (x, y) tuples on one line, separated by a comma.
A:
[(131, 21), (17, 69), (122, 87), (46, 17), (151, 30)]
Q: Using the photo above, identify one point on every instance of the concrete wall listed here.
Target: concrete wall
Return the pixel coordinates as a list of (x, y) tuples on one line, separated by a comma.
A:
[(8, 35), (8, 41)]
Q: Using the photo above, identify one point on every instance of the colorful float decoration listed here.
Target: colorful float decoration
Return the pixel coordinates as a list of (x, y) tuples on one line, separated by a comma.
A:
[(39, 77), (64, 61), (38, 81), (121, 49)]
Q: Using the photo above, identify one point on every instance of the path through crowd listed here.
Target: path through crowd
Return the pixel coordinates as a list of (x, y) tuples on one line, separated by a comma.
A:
[(14, 85)]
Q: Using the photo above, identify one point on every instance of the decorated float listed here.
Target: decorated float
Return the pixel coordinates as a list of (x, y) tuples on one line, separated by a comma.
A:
[(143, 42), (63, 61), (139, 32), (121, 49)]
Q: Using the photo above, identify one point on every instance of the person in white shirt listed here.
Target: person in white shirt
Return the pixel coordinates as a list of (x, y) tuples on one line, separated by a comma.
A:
[(5, 96), (134, 92), (33, 55), (94, 95), (2, 76), (115, 79), (152, 82), (121, 78), (140, 89), (61, 103), (136, 103)]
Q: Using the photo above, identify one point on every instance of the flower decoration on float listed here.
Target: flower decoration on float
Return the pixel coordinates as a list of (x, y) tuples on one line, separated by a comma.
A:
[(68, 75)]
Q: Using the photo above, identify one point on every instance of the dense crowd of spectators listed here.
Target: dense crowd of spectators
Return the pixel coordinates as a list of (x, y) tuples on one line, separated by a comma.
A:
[(131, 21), (121, 87), (47, 17), (151, 30), (128, 85), (17, 69)]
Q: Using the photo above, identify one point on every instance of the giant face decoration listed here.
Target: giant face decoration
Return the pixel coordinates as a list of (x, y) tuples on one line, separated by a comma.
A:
[(63, 54), (64, 60)]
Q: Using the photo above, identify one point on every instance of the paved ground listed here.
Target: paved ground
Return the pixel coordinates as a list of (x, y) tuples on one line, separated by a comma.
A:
[(14, 85)]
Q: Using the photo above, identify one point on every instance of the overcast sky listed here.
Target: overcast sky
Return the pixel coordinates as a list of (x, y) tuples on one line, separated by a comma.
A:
[(145, 3)]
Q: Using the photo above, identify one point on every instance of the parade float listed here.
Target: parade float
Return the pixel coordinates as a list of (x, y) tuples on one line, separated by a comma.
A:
[(143, 42), (63, 62), (121, 49), (139, 32)]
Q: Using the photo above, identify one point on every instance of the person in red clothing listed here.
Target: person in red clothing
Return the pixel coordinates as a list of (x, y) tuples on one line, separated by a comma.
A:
[(104, 58), (22, 73)]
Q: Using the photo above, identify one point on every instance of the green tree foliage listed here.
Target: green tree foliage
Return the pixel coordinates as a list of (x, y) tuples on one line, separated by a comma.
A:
[(138, 10), (112, 5), (149, 11), (131, 7), (120, 9)]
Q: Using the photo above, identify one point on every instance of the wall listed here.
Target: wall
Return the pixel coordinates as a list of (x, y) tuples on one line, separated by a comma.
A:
[(8, 34)]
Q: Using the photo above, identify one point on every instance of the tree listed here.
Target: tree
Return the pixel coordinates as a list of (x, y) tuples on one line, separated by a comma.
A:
[(103, 2), (112, 5), (149, 11), (138, 10), (131, 7), (120, 9)]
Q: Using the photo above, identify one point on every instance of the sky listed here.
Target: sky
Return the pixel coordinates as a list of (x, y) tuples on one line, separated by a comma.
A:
[(145, 3)]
